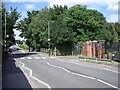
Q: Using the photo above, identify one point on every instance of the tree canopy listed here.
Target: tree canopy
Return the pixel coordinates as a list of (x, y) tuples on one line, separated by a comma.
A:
[(67, 27)]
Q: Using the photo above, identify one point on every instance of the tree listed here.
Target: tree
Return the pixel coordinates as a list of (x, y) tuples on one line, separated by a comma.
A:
[(11, 19), (68, 27), (8, 21), (85, 23)]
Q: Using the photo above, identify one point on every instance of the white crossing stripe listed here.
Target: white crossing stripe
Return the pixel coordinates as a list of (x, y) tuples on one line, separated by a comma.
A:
[(29, 58), (43, 57), (36, 57), (22, 58)]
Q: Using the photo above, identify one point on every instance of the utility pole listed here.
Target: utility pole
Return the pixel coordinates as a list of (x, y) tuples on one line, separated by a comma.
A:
[(49, 37)]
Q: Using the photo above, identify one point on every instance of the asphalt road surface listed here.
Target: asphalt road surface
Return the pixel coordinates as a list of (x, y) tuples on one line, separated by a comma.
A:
[(57, 72)]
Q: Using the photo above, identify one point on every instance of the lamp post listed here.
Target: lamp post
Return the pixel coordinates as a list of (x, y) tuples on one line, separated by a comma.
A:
[(49, 38), (5, 35)]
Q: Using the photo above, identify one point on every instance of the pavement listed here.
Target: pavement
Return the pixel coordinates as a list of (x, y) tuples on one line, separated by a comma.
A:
[(12, 76), (54, 72)]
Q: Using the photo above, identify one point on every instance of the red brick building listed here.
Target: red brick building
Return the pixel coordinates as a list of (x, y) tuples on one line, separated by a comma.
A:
[(93, 49)]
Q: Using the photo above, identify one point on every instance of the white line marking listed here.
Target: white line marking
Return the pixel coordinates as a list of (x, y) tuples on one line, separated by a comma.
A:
[(89, 77), (110, 70), (60, 60), (29, 70), (23, 65), (29, 58), (36, 57), (66, 70), (83, 75), (42, 82), (89, 66), (48, 63), (72, 60), (106, 83), (71, 72), (43, 57), (22, 58), (53, 65)]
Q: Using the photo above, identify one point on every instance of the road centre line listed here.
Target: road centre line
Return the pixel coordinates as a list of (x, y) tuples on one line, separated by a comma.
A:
[(90, 66), (23, 65), (85, 76), (107, 83)]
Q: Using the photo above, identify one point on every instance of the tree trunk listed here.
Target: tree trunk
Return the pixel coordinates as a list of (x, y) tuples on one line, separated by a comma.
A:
[(29, 48), (55, 51)]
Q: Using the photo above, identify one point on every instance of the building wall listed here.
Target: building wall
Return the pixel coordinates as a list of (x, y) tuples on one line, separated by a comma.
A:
[(93, 49)]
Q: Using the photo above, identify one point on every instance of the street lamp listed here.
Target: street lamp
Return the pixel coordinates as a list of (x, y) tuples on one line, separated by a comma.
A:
[(5, 36), (49, 38)]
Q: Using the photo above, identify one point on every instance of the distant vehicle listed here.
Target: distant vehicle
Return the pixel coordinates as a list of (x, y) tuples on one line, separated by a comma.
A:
[(18, 48), (9, 50), (15, 47)]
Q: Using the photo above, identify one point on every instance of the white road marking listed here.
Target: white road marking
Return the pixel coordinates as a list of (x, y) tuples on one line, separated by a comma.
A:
[(89, 66), (60, 60), (66, 70), (85, 76), (42, 82), (72, 60), (43, 57), (29, 70), (71, 72), (110, 70), (22, 58), (106, 83), (36, 57), (29, 58), (23, 65), (53, 65)]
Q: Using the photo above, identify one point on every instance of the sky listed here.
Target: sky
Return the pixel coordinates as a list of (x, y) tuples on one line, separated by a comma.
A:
[(109, 8)]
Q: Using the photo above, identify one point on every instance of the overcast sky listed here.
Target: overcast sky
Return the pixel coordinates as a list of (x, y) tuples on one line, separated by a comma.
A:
[(109, 8)]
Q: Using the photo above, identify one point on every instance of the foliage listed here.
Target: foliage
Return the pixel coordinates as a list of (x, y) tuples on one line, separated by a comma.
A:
[(67, 26), (11, 19)]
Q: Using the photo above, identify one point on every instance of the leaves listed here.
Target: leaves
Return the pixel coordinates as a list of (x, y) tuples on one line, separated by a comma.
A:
[(67, 27)]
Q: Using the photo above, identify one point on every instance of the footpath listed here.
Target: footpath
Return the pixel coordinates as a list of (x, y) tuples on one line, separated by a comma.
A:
[(12, 76)]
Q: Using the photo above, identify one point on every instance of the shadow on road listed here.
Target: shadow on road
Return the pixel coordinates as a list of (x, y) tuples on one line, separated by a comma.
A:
[(18, 55), (12, 76)]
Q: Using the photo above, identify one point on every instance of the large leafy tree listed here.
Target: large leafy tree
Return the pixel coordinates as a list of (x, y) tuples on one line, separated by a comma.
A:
[(11, 19), (67, 26), (85, 23)]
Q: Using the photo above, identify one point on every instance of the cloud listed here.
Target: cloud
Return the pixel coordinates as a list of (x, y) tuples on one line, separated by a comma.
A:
[(29, 6), (112, 7), (85, 2), (26, 0), (113, 18)]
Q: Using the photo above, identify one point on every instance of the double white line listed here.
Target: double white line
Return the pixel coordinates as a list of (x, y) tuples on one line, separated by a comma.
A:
[(47, 85)]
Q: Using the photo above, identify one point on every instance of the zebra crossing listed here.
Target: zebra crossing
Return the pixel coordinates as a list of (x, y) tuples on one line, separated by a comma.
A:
[(30, 58)]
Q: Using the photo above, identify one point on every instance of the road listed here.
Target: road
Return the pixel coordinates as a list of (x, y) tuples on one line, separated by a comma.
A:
[(58, 72)]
